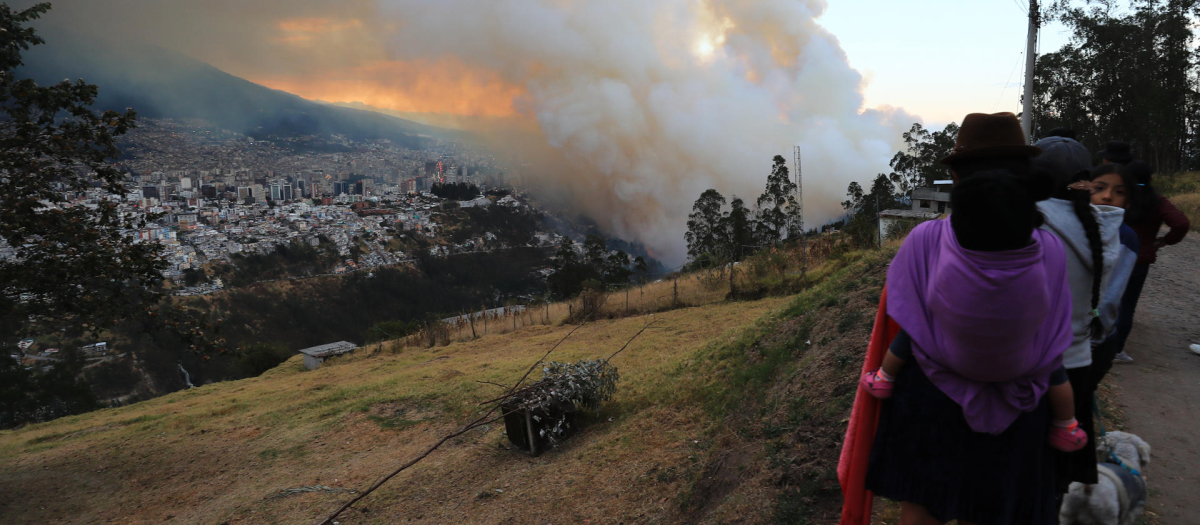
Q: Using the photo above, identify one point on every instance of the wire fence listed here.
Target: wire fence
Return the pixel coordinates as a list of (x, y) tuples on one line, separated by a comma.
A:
[(778, 269)]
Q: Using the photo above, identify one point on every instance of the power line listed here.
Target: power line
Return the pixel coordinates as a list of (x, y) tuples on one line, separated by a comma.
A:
[(1008, 82)]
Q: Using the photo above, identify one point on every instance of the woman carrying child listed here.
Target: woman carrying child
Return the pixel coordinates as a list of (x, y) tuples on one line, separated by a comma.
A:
[(985, 311)]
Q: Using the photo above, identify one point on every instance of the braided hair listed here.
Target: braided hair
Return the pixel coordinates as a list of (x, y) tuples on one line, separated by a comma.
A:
[(1082, 202)]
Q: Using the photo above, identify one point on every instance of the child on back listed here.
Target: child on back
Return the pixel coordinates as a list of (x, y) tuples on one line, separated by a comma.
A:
[(993, 211)]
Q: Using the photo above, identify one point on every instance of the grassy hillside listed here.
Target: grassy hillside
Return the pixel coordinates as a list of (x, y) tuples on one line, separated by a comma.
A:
[(728, 411), (1184, 191)]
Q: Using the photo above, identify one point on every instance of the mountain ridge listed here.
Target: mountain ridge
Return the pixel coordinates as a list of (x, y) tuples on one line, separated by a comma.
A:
[(160, 83)]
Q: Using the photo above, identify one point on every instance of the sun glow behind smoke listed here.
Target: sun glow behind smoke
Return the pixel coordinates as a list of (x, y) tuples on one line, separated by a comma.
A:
[(647, 104)]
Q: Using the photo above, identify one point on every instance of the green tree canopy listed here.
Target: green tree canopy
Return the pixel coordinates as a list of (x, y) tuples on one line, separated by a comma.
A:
[(777, 206), (704, 234), (918, 164), (1128, 73)]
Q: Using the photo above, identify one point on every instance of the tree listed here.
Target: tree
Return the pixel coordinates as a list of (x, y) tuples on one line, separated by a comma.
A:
[(640, 269), (67, 265), (919, 163), (777, 206), (704, 235), (616, 268), (72, 264), (1126, 74), (738, 230), (882, 196), (595, 251)]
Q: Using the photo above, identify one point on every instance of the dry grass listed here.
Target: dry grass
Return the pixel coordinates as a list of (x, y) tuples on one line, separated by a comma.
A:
[(213, 454), (705, 426), (774, 272), (1189, 204)]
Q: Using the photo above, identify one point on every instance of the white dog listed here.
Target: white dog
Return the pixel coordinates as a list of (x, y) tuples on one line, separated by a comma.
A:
[(1120, 496)]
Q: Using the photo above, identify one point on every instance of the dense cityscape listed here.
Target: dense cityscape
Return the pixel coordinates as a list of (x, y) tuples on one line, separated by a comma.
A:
[(213, 194)]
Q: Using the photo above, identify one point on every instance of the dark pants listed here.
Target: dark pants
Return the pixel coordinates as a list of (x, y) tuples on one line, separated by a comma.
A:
[(1129, 303), (1102, 357), (1079, 465)]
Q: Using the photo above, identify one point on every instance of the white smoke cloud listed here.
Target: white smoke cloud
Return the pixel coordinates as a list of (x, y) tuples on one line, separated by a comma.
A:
[(630, 108), (651, 103)]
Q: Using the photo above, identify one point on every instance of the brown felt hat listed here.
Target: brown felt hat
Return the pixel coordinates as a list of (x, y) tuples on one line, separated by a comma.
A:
[(990, 136)]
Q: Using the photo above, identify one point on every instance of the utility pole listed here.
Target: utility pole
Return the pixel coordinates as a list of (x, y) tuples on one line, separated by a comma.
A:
[(800, 202), (878, 221), (1030, 58)]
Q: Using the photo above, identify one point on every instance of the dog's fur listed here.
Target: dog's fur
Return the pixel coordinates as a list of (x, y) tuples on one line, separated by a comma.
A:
[(1100, 504)]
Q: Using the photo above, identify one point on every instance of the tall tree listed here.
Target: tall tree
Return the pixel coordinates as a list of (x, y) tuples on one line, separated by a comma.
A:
[(1128, 73), (918, 164), (777, 206), (65, 264), (868, 204), (704, 236), (738, 229)]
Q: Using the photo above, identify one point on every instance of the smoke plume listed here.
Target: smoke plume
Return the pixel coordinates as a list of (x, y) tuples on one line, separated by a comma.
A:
[(627, 109)]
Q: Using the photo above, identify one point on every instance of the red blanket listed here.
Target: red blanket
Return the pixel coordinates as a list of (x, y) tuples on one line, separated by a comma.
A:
[(860, 434)]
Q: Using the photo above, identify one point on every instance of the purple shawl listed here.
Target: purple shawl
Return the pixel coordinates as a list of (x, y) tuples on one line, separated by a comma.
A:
[(988, 328)]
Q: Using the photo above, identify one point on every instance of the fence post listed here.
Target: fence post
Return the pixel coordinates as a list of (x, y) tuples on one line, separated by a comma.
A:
[(514, 316), (675, 294), (485, 316), (471, 319), (732, 287)]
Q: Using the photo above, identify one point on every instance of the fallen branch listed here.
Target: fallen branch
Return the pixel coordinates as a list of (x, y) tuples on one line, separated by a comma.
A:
[(482, 420), (491, 383), (639, 332), (283, 493)]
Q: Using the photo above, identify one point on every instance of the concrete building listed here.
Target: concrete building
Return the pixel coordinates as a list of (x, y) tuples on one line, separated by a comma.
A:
[(313, 357), (927, 204)]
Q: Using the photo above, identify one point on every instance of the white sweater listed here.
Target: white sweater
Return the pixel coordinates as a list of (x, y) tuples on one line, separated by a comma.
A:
[(1061, 220)]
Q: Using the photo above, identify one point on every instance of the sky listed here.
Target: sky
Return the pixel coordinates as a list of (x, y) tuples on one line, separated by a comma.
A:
[(938, 59)]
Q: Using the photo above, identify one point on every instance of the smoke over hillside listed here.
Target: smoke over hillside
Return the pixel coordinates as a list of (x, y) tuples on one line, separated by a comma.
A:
[(627, 109)]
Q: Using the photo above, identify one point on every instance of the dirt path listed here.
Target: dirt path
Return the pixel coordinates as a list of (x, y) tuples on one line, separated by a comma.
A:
[(1160, 391)]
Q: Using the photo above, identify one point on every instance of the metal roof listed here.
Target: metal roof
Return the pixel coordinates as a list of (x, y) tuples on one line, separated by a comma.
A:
[(329, 349)]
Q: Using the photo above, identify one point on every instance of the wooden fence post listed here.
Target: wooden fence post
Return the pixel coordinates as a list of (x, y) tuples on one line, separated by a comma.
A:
[(675, 294)]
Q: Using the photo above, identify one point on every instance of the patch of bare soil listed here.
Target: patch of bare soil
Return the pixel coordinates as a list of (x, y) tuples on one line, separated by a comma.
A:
[(1160, 390)]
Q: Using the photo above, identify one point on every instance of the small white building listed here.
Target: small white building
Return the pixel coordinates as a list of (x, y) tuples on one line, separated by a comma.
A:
[(313, 357)]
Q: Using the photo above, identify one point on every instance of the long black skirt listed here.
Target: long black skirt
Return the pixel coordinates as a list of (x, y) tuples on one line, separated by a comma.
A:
[(925, 453)]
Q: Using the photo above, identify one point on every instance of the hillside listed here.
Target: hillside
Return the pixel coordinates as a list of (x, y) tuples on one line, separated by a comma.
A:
[(730, 411), (160, 83)]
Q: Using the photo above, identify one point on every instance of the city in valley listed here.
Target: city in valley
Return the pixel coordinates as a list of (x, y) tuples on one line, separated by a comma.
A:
[(211, 194)]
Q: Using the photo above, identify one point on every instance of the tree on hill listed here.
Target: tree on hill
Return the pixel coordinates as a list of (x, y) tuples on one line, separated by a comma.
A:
[(738, 228), (69, 267), (704, 227), (459, 191), (1127, 73), (777, 206), (919, 163)]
